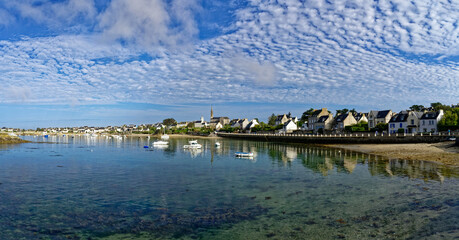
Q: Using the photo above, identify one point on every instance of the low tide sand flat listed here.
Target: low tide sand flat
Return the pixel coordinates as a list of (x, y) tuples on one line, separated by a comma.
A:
[(444, 152)]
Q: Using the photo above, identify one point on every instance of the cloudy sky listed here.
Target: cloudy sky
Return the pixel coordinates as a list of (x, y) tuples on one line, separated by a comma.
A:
[(101, 62)]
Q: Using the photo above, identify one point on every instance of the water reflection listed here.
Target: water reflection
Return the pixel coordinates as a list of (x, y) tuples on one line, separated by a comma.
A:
[(87, 187), (329, 160), (324, 161)]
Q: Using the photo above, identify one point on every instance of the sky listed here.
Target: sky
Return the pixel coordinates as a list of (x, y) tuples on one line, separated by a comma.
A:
[(100, 62)]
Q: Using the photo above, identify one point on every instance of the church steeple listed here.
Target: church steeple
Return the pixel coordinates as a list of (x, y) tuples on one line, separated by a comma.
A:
[(211, 113)]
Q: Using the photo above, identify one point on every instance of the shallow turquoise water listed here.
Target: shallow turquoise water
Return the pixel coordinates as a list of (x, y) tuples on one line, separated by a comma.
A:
[(98, 188)]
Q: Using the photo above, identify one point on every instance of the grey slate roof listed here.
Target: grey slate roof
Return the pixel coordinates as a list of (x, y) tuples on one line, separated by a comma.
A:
[(359, 116), (316, 113), (341, 117), (323, 119), (382, 114), (400, 117), (430, 115)]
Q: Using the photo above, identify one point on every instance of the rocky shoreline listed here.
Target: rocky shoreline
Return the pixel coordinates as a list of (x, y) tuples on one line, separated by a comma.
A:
[(7, 139)]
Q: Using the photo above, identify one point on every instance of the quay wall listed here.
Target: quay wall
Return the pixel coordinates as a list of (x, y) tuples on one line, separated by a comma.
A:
[(364, 138)]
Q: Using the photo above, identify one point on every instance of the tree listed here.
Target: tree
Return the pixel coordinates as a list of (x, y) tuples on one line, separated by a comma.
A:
[(450, 118), (306, 114), (169, 121), (437, 106), (272, 120), (381, 127), (342, 111), (417, 108), (353, 111)]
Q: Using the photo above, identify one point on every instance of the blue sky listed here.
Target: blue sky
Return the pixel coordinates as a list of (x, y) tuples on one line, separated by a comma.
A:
[(94, 62)]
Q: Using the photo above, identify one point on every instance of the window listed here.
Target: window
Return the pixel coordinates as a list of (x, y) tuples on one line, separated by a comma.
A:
[(412, 121), (401, 124)]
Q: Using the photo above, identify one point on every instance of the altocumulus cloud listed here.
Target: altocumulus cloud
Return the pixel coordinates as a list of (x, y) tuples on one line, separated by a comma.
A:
[(321, 52)]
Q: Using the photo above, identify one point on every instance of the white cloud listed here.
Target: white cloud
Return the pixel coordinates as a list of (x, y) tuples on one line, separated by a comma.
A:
[(316, 52), (149, 23), (56, 15)]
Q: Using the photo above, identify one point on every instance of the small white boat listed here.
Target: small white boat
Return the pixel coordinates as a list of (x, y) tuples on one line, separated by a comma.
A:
[(193, 144), (243, 154), (160, 143), (217, 144), (165, 137), (118, 137)]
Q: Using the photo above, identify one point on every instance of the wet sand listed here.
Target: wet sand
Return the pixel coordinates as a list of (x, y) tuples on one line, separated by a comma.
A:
[(445, 152)]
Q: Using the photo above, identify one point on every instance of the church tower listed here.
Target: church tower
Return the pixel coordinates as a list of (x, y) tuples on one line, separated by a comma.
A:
[(211, 113)]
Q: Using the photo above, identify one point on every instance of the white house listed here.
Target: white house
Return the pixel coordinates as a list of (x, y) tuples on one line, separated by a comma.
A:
[(289, 126), (399, 121), (429, 121), (218, 126), (251, 124)]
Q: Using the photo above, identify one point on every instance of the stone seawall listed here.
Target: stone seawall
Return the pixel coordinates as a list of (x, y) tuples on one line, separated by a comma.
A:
[(338, 139)]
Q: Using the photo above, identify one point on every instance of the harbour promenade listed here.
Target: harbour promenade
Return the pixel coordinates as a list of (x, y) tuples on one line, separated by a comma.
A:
[(356, 138)]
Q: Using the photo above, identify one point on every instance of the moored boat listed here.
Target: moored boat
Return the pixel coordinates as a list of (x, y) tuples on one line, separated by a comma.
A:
[(243, 154), (193, 144), (160, 143)]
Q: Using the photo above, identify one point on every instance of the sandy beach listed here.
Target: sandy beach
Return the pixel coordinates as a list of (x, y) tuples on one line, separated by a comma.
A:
[(445, 152)]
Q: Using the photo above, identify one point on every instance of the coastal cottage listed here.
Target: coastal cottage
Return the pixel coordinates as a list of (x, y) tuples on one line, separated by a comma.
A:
[(407, 120), (281, 119), (314, 118), (251, 124), (376, 117), (360, 117), (429, 121), (289, 126), (200, 123), (243, 123), (399, 121), (240, 123), (343, 120), (218, 126), (182, 124), (215, 120), (324, 122), (413, 121)]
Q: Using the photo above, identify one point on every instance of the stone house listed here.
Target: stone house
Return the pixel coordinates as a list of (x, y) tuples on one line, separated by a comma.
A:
[(343, 120), (314, 118)]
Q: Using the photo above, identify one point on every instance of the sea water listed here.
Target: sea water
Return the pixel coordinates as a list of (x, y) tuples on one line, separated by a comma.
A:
[(103, 188)]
